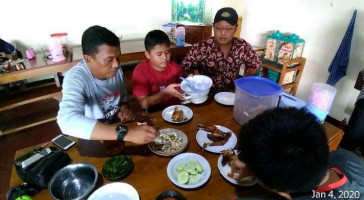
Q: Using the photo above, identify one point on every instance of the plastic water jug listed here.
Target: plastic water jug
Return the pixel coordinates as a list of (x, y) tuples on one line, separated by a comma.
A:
[(180, 36), (58, 47), (253, 96), (320, 100)]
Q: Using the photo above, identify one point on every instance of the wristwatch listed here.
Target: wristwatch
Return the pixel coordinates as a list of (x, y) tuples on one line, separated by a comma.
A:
[(121, 131)]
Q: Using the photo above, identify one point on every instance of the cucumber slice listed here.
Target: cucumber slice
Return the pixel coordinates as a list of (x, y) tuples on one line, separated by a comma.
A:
[(194, 172), (183, 177), (180, 166), (192, 162), (198, 167), (189, 168), (194, 179)]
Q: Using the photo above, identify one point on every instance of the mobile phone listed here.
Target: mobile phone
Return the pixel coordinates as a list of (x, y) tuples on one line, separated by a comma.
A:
[(63, 142)]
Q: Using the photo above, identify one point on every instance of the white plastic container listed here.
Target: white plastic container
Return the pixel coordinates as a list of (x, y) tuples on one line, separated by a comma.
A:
[(253, 96), (170, 30), (202, 83)]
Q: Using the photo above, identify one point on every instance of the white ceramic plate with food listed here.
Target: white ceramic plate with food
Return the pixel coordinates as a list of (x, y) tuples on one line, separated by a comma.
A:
[(115, 191), (188, 170), (225, 98), (201, 138), (169, 142), (225, 170), (168, 112)]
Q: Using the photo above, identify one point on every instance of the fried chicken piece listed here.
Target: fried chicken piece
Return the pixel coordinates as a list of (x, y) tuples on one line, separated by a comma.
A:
[(177, 115), (228, 156), (217, 136)]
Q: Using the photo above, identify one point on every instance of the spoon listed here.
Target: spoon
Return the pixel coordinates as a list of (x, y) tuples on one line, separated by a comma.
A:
[(191, 85)]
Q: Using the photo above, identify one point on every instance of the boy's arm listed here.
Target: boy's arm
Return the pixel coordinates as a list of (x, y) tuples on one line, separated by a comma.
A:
[(155, 99)]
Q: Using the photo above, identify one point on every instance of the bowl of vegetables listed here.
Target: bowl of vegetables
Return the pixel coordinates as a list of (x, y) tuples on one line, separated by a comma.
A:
[(188, 170), (117, 167)]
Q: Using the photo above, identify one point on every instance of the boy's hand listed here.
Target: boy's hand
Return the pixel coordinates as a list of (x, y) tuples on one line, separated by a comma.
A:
[(172, 91), (125, 114), (239, 169), (142, 134)]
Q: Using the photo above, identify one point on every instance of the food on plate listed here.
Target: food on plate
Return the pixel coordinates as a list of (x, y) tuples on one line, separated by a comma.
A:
[(217, 136), (229, 157), (117, 167), (177, 115), (188, 172), (168, 142)]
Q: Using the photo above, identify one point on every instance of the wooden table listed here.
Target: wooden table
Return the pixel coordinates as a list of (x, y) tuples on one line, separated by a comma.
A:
[(149, 175)]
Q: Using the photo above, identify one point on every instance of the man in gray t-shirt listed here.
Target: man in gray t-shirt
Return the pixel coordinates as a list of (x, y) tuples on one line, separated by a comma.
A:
[(286, 149), (94, 95)]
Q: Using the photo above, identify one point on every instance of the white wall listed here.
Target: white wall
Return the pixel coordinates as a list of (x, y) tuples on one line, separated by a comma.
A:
[(322, 24), (31, 22)]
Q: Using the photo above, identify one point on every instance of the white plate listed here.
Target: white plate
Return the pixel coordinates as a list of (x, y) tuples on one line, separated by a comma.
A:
[(167, 113), (115, 191), (153, 147), (201, 138), (225, 170), (185, 158), (225, 98)]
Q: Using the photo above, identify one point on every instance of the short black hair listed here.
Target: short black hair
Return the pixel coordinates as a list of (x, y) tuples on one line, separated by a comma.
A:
[(95, 36), (154, 38), (286, 149)]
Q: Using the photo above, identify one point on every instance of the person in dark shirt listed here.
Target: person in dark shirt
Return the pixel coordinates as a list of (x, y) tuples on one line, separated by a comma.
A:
[(286, 149), (222, 56), (6, 50)]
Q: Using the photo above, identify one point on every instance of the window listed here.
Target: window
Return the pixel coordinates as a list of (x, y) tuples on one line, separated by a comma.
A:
[(188, 11)]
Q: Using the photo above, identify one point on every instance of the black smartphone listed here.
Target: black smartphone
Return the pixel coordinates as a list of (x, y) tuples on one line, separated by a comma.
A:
[(63, 142)]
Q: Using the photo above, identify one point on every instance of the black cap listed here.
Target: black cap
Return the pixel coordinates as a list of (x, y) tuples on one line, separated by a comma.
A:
[(226, 14)]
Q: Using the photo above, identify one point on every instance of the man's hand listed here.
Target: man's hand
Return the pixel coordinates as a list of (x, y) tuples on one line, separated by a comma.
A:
[(125, 114), (172, 91), (142, 134)]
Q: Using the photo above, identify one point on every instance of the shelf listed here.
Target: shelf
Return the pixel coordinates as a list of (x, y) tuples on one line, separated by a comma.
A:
[(296, 64)]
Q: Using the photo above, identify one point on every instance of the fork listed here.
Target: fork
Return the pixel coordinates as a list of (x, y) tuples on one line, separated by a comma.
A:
[(203, 148)]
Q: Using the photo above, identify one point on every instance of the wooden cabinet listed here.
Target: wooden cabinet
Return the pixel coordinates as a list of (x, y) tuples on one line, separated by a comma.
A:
[(296, 65), (197, 33)]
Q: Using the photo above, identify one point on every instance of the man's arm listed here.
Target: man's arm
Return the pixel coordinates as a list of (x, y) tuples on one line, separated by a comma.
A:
[(71, 115), (189, 64), (252, 61), (139, 135)]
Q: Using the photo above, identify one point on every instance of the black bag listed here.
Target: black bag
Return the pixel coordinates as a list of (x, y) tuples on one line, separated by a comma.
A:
[(354, 131), (40, 172)]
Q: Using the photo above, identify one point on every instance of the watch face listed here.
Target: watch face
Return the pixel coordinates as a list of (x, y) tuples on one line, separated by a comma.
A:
[(121, 132), (121, 129)]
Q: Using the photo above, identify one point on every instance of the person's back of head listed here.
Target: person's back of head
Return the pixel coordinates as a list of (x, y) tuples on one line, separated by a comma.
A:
[(286, 149), (156, 37), (95, 36)]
